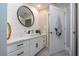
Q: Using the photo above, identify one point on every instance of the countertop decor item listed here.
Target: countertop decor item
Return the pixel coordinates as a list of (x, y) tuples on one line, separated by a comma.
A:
[(38, 31)]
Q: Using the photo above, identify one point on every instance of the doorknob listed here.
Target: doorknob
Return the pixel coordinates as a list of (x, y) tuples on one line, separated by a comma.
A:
[(50, 32), (74, 32)]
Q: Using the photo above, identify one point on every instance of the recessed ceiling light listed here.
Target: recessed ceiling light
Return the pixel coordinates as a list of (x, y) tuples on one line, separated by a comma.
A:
[(39, 5)]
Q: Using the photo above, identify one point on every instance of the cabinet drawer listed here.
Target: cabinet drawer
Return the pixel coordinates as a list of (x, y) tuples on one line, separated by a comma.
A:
[(12, 53), (15, 46), (20, 52)]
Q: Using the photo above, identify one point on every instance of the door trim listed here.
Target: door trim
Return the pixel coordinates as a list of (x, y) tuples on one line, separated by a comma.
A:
[(72, 41)]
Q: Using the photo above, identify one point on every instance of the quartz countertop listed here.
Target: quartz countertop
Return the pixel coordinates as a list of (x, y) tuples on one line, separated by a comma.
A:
[(14, 40)]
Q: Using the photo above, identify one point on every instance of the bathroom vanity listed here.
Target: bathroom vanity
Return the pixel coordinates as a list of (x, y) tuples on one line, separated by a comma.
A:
[(26, 37), (26, 46)]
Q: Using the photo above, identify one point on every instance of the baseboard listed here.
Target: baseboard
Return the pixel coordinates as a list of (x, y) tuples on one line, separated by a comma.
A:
[(67, 49), (55, 54)]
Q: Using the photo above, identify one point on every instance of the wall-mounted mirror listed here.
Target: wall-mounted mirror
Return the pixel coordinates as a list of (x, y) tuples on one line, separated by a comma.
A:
[(8, 31), (25, 16)]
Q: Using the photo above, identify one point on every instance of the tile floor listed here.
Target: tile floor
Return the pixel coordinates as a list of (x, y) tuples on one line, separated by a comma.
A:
[(44, 52), (61, 53)]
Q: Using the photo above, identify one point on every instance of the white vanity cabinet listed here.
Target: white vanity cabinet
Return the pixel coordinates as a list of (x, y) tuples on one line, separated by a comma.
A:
[(28, 47)]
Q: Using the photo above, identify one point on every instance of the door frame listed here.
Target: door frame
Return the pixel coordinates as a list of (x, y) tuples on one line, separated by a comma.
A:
[(72, 18), (78, 30)]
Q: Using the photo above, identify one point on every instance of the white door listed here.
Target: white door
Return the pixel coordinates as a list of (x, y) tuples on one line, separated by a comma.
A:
[(57, 26)]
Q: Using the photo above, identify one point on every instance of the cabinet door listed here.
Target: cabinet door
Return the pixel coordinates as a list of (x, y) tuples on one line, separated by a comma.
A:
[(40, 43), (33, 46), (20, 52), (36, 45), (27, 46), (44, 40)]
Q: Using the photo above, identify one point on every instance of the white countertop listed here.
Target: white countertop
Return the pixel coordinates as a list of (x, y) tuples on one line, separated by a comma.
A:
[(13, 40)]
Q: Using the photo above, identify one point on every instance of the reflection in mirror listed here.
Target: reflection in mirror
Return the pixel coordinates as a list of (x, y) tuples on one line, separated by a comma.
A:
[(8, 31), (25, 16)]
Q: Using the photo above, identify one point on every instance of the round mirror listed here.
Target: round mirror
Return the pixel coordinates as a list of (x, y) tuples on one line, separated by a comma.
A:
[(25, 16), (8, 31)]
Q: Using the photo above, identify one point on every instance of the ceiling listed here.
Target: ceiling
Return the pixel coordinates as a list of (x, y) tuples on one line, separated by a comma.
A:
[(46, 5), (61, 5)]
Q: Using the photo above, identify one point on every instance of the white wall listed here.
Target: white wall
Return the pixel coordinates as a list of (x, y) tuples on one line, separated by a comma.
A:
[(43, 22), (3, 20), (17, 29)]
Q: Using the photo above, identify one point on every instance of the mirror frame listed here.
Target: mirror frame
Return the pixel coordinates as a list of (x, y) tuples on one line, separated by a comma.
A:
[(31, 13), (10, 31)]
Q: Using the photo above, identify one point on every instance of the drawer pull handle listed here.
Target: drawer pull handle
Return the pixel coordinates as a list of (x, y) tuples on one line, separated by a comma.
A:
[(20, 53), (20, 44)]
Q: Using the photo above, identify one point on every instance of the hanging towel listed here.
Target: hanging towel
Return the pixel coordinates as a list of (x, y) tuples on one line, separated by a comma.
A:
[(59, 25)]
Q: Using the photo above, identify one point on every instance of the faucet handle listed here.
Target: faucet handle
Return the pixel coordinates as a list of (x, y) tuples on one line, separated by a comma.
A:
[(28, 31)]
